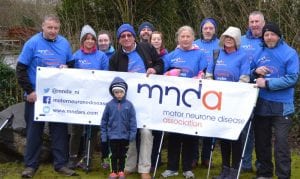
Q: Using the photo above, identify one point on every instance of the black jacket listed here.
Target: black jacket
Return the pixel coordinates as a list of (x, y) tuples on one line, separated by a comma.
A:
[(119, 61)]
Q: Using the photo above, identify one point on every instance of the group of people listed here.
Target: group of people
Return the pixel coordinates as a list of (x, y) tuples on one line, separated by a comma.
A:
[(260, 56)]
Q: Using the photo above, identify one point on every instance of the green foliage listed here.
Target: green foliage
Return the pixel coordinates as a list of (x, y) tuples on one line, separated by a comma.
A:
[(10, 93)]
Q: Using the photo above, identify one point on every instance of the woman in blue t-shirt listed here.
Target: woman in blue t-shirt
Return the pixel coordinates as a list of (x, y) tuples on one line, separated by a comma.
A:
[(87, 57), (231, 65), (185, 61)]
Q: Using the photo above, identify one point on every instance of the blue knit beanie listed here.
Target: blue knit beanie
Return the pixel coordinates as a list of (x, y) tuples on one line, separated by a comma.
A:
[(146, 25), (209, 19), (124, 28)]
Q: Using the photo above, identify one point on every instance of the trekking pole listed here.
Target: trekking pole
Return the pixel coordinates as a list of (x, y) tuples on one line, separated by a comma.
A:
[(158, 154), (88, 147), (7, 121), (210, 156), (244, 148)]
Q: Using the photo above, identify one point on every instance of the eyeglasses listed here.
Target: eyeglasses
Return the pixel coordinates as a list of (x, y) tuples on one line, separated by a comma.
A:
[(126, 35)]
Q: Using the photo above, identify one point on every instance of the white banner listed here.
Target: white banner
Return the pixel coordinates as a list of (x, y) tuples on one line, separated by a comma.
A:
[(184, 105)]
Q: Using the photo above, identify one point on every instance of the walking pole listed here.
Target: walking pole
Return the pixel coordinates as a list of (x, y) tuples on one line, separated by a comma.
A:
[(244, 148), (88, 147), (210, 156), (159, 151), (7, 121)]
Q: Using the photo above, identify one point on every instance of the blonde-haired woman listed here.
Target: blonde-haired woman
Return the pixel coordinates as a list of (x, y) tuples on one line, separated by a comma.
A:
[(185, 61)]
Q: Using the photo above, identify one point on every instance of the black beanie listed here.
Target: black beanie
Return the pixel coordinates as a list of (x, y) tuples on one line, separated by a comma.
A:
[(271, 26)]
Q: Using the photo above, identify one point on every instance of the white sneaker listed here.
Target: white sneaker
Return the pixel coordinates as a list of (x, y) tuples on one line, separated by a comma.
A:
[(169, 173), (188, 175)]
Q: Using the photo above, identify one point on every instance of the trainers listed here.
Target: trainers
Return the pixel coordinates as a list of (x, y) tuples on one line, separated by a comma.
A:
[(121, 175), (169, 173), (105, 163), (28, 172), (66, 171), (188, 175), (113, 175)]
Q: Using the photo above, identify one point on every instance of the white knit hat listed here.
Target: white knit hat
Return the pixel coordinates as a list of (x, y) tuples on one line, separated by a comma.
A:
[(233, 32), (87, 30)]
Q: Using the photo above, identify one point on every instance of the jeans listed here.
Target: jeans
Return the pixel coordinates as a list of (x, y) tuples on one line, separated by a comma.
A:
[(59, 140), (263, 145)]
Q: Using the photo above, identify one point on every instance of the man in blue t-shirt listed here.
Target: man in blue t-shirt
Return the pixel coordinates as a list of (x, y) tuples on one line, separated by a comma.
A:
[(275, 72), (46, 49), (252, 44)]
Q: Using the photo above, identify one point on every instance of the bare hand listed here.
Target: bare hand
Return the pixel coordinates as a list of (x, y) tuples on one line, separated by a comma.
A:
[(263, 70), (150, 71), (260, 83), (63, 66), (31, 97)]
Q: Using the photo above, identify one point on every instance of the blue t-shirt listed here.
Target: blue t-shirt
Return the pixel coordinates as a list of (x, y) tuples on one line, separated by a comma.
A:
[(281, 60), (190, 62), (38, 51), (207, 47), (230, 66), (93, 61), (135, 63)]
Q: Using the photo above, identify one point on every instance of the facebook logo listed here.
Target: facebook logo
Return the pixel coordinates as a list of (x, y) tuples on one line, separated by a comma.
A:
[(47, 99)]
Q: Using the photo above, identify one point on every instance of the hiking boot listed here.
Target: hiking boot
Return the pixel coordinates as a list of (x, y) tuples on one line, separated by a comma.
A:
[(82, 164), (66, 171), (72, 162), (113, 175), (188, 175), (224, 174), (28, 172), (169, 173), (121, 175), (233, 173), (105, 163)]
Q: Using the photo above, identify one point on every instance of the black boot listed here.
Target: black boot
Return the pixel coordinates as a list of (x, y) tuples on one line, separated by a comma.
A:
[(224, 174), (233, 173), (72, 162)]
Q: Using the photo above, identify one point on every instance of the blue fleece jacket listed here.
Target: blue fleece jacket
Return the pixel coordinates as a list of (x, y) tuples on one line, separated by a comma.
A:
[(252, 45), (119, 118), (207, 47), (283, 62), (230, 66), (110, 52)]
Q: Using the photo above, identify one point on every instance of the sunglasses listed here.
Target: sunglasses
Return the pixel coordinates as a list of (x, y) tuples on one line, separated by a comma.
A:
[(126, 35)]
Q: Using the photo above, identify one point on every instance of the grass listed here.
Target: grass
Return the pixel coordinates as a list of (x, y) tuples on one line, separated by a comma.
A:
[(12, 170)]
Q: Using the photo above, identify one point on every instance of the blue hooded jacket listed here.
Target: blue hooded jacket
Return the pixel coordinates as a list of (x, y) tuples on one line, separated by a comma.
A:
[(283, 62), (119, 118)]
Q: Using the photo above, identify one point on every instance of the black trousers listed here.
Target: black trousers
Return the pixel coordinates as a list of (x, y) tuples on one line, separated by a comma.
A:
[(118, 148), (181, 144), (263, 145), (231, 150)]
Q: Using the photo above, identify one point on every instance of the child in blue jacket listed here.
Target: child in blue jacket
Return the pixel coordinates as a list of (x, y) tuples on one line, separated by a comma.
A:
[(118, 126)]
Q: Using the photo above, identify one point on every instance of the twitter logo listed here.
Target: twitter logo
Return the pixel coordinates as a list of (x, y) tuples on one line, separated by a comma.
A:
[(46, 90)]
